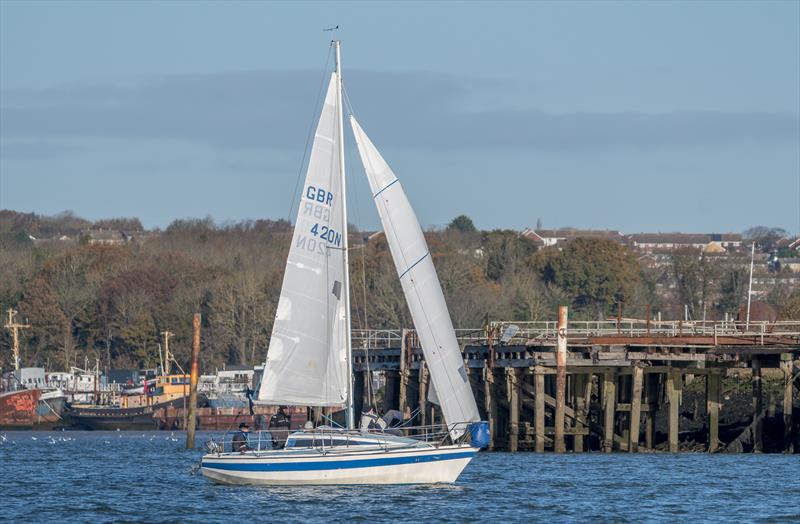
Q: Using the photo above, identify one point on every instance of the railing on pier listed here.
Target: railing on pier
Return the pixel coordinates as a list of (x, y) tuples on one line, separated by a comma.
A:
[(511, 333)]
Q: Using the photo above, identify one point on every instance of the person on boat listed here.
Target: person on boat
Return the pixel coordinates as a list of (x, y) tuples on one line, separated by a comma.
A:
[(370, 421), (239, 442), (279, 425)]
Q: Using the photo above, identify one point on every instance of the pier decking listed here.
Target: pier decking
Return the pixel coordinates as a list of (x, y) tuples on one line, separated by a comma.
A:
[(615, 380)]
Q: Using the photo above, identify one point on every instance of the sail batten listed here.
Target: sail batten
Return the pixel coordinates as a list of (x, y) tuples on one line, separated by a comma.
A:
[(307, 355), (421, 287)]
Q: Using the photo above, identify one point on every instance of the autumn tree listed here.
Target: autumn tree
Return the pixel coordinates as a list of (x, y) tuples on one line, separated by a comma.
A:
[(694, 272), (595, 273)]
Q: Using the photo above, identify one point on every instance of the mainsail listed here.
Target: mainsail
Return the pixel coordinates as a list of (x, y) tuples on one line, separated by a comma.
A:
[(307, 356), (421, 287)]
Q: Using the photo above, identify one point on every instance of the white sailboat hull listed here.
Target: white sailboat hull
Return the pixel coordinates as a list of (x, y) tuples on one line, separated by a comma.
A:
[(425, 465)]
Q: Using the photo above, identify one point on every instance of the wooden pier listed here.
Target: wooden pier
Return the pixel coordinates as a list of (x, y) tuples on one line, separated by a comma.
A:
[(616, 385)]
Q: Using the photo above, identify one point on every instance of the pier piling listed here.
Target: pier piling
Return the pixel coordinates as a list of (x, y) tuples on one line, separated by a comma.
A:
[(561, 380), (538, 421), (194, 376), (713, 392)]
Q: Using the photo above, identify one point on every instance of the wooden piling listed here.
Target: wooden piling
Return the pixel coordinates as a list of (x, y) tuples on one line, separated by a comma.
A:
[(538, 379), (651, 388), (788, 422), (513, 409), (358, 395), (758, 406), (561, 380), (674, 387), (404, 374), (580, 381), (609, 407), (193, 379), (423, 394), (636, 409), (713, 393), (489, 404)]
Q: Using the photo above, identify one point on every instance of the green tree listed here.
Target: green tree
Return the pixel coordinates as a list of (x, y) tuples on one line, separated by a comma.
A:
[(595, 273), (462, 223)]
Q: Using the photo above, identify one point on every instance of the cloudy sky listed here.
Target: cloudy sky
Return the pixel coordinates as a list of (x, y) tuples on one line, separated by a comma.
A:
[(646, 116)]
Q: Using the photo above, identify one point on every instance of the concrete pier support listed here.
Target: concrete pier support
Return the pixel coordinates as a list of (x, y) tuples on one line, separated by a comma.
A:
[(636, 409), (609, 408), (538, 423), (674, 389), (713, 393), (512, 391)]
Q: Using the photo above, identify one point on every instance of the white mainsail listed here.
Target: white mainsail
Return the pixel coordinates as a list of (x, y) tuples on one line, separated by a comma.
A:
[(307, 357), (420, 286)]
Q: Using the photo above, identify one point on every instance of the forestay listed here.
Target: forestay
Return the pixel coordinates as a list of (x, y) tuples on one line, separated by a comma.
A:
[(307, 356), (421, 287)]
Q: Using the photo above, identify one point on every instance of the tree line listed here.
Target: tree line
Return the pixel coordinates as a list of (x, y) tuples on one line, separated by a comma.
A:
[(112, 302)]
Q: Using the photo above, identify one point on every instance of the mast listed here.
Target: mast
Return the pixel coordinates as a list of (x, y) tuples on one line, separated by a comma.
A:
[(14, 327), (340, 125), (750, 285)]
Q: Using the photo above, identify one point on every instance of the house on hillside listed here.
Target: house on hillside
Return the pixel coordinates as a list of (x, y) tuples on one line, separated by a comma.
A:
[(555, 237), (649, 242)]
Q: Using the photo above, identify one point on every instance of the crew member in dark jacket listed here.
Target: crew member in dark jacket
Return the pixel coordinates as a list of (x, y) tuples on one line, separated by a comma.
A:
[(279, 425), (239, 442)]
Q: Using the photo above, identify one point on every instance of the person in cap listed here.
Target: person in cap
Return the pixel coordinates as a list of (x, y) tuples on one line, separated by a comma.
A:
[(239, 442)]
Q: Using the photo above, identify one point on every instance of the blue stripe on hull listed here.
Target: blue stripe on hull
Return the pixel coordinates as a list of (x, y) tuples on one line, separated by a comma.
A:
[(342, 464)]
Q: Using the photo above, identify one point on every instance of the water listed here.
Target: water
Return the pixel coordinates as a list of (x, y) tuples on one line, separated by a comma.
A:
[(136, 477)]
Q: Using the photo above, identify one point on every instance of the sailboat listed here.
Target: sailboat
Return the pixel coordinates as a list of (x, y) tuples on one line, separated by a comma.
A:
[(309, 360)]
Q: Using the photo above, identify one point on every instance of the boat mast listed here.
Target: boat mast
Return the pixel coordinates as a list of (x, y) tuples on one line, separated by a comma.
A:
[(340, 125), (14, 327)]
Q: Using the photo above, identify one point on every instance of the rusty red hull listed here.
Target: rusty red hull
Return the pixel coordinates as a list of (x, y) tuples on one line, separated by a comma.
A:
[(18, 409)]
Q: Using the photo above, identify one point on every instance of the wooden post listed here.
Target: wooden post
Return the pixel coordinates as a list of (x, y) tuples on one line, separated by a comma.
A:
[(580, 380), (609, 406), (513, 409), (786, 366), (538, 423), (561, 380), (358, 395), (489, 405), (674, 387), (713, 392), (758, 406), (636, 409), (193, 378), (651, 398), (423, 394), (403, 386)]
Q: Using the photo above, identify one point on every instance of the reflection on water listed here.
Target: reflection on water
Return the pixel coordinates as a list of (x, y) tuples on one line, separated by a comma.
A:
[(109, 477)]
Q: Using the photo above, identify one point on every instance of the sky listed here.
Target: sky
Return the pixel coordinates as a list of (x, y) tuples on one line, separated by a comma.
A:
[(635, 116)]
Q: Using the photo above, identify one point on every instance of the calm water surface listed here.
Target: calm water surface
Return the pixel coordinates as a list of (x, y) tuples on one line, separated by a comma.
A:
[(137, 477)]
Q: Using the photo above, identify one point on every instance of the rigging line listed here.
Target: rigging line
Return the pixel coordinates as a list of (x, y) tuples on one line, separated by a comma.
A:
[(309, 134)]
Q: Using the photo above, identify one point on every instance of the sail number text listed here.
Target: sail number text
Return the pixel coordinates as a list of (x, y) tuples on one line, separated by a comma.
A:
[(327, 234)]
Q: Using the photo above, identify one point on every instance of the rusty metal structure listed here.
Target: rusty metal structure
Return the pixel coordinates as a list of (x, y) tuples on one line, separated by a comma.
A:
[(619, 377)]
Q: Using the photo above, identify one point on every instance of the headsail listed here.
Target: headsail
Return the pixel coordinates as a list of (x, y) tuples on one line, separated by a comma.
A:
[(420, 285), (307, 357)]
